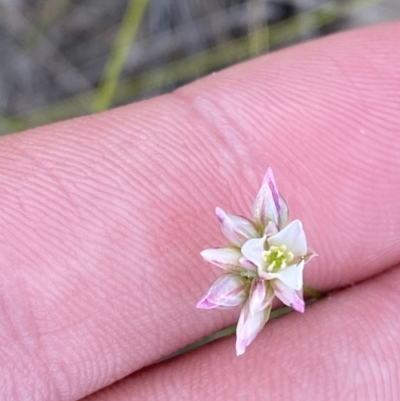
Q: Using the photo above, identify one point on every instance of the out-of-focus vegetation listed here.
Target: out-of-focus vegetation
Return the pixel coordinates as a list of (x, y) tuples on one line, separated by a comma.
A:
[(64, 58)]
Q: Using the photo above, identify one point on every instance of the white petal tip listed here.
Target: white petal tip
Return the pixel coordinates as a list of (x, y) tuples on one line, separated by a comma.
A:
[(205, 254), (240, 349), (298, 223)]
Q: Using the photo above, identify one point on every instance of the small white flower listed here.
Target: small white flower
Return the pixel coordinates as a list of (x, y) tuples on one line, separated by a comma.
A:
[(265, 258)]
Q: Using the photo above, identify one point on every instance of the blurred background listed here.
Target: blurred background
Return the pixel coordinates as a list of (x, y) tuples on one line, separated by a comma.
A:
[(64, 58)]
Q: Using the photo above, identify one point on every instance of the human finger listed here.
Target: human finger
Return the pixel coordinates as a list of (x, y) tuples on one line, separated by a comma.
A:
[(103, 217), (344, 348)]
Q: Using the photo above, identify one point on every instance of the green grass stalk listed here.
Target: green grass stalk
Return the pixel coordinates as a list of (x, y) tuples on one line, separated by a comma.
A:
[(123, 41)]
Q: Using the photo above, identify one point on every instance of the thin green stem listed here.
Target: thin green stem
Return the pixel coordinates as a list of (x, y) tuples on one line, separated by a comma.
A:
[(228, 331), (125, 37), (313, 292)]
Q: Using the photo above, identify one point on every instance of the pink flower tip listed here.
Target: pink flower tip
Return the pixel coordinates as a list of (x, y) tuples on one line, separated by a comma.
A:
[(298, 305), (205, 304), (241, 348), (269, 174), (220, 214)]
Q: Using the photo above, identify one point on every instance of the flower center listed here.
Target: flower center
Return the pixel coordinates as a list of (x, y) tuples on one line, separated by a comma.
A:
[(277, 258)]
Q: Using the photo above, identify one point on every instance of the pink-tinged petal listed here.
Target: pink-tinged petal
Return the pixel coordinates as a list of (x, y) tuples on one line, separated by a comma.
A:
[(226, 258), (227, 291), (253, 251), (289, 296), (249, 326), (283, 213), (265, 275), (261, 295), (271, 229), (269, 205), (204, 303), (245, 263), (293, 237), (292, 276), (258, 291), (310, 255), (236, 229)]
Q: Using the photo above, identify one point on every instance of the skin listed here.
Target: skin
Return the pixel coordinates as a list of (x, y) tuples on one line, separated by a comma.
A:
[(103, 217)]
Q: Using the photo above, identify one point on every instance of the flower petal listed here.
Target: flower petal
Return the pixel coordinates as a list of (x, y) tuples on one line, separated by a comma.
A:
[(292, 276), (236, 229), (271, 229), (293, 237), (289, 296), (245, 263), (269, 205), (225, 258), (253, 251), (227, 291), (310, 255), (283, 212), (204, 303), (261, 295), (249, 326)]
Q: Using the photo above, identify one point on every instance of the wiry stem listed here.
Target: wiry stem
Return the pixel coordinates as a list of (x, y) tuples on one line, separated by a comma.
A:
[(316, 294)]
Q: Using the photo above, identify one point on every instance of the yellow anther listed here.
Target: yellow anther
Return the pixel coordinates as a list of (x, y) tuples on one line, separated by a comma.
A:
[(276, 258)]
